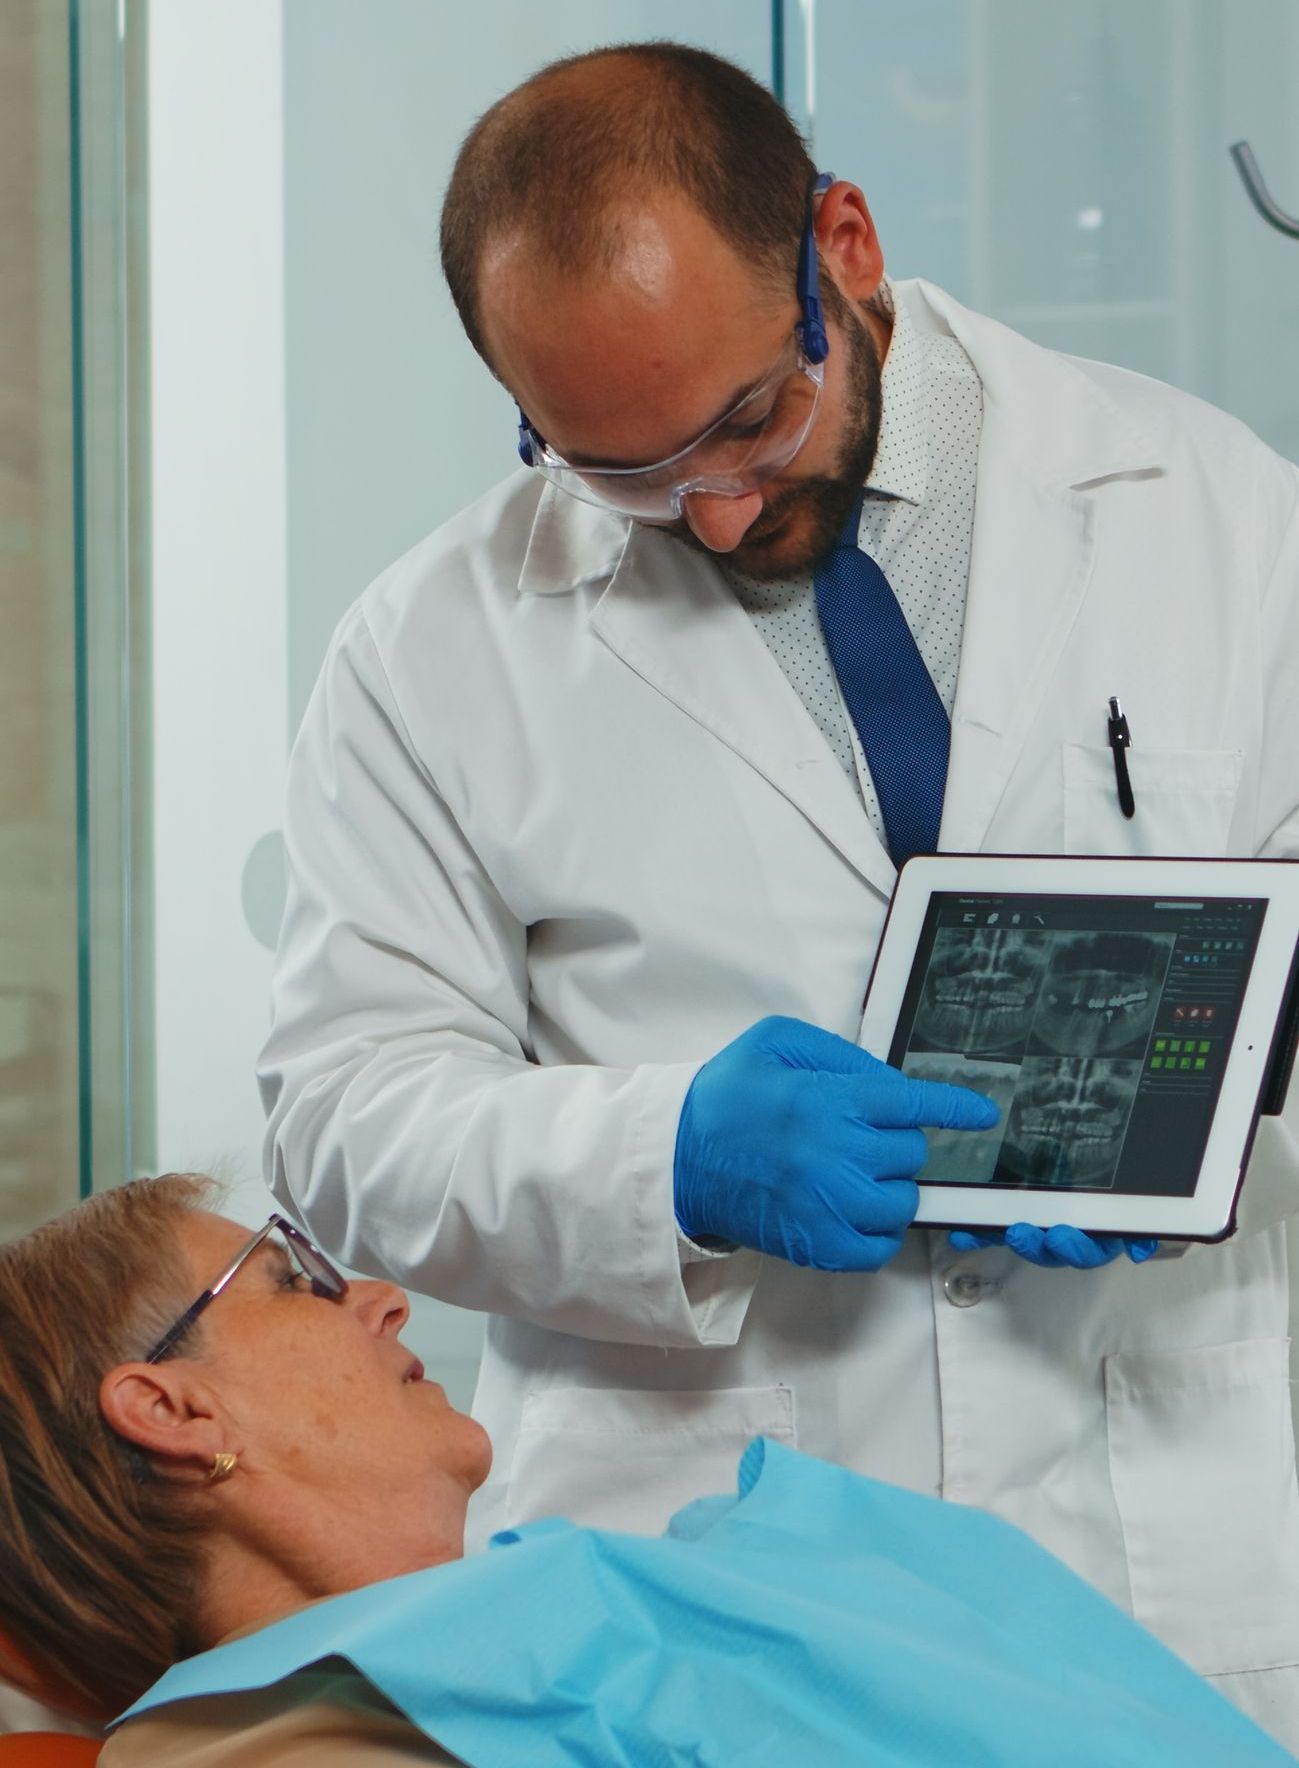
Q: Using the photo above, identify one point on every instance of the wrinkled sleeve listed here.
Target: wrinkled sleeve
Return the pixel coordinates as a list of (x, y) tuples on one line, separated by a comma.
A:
[(407, 1124)]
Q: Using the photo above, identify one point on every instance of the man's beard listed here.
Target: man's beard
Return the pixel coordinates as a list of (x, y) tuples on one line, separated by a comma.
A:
[(827, 499)]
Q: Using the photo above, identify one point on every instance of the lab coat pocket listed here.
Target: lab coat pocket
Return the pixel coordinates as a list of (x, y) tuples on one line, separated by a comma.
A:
[(1184, 800), (627, 1459), (1202, 1458)]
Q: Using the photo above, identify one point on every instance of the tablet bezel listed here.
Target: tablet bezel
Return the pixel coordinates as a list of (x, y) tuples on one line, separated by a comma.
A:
[(1209, 1213)]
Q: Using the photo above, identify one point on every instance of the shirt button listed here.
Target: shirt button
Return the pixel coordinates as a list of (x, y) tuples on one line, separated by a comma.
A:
[(964, 1287)]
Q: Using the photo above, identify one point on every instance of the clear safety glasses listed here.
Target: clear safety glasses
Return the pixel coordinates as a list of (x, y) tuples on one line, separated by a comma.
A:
[(744, 448)]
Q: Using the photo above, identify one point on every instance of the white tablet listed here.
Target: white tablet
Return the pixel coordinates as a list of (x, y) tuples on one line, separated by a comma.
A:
[(1131, 1017)]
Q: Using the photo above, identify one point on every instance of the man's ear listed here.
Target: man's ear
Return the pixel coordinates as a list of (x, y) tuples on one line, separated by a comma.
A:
[(164, 1410), (847, 240)]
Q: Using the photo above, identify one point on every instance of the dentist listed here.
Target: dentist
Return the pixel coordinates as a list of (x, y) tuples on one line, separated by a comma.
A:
[(596, 812)]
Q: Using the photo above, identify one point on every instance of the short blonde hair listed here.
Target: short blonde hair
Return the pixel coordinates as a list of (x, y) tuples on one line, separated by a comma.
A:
[(99, 1557)]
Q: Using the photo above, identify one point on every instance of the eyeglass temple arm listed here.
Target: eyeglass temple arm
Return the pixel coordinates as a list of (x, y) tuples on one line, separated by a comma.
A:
[(182, 1326), (811, 331)]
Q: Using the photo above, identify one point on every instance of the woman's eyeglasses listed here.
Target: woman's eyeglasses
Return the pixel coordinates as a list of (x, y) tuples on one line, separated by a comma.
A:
[(309, 1261)]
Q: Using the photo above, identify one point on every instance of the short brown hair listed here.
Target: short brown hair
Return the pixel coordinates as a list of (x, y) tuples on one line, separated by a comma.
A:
[(98, 1556), (556, 154)]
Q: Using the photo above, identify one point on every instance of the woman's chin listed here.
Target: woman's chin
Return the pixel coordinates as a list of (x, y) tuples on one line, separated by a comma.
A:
[(483, 1463)]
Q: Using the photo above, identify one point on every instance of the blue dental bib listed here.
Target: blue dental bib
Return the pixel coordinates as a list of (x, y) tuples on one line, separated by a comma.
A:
[(818, 1617)]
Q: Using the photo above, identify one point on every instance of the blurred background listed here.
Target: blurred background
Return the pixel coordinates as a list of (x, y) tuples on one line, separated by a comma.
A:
[(232, 389)]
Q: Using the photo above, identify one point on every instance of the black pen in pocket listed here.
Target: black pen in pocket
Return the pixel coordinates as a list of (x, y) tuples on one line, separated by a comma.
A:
[(1120, 742)]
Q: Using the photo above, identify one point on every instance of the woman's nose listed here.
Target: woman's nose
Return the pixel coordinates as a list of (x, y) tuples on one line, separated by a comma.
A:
[(721, 523), (382, 1306)]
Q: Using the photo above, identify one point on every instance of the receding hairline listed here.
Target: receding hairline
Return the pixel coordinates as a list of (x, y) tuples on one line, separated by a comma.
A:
[(621, 178), (555, 161), (610, 231), (624, 261)]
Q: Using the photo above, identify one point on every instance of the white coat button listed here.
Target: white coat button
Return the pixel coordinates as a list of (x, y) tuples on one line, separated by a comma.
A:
[(964, 1287)]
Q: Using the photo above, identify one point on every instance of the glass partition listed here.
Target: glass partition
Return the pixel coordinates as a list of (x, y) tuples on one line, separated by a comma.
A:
[(1066, 170), (71, 587), (110, 338), (40, 1145)]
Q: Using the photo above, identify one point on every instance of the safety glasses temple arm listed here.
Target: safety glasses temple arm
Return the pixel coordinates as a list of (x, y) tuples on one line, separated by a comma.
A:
[(812, 334), (526, 437)]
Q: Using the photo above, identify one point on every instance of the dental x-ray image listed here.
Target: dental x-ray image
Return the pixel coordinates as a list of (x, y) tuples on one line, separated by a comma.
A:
[(1101, 993), (1068, 1121), (965, 1157), (1051, 1025), (980, 991)]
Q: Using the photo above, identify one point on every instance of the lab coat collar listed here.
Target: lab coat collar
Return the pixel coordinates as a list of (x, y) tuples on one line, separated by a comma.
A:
[(1052, 436), (901, 465), (671, 616), (668, 613), (1045, 408), (571, 543)]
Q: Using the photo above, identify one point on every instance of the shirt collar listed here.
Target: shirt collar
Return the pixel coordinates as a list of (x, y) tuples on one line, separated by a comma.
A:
[(901, 467)]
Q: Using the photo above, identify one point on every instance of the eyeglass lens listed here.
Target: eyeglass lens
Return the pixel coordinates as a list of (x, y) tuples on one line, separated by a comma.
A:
[(325, 1281)]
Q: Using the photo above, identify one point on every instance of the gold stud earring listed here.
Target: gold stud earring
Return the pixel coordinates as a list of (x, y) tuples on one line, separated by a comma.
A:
[(223, 1465)]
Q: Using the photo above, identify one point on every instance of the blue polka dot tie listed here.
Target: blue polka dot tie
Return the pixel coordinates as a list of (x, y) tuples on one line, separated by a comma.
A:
[(901, 720)]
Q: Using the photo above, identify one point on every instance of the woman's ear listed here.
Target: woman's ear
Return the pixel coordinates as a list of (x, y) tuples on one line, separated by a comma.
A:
[(848, 242), (164, 1410)]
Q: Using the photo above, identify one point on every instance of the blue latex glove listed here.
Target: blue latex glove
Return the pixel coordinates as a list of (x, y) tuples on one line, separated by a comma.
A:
[(794, 1141), (1058, 1246)]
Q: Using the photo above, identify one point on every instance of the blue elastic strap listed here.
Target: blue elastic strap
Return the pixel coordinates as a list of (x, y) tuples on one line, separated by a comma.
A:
[(811, 328), (525, 438)]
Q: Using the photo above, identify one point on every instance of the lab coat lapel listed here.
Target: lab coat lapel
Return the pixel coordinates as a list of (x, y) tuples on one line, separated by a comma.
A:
[(669, 615), (1030, 562), (1050, 437)]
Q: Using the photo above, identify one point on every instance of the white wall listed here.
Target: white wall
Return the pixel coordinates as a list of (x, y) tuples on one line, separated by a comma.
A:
[(220, 640)]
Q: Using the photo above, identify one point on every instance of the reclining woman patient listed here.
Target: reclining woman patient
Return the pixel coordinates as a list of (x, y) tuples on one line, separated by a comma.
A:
[(229, 1496)]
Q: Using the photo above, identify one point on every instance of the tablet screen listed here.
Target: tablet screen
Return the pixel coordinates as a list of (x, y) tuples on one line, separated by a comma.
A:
[(1099, 1025)]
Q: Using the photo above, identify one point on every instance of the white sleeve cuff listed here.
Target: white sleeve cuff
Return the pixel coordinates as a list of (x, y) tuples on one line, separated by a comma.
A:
[(694, 1252)]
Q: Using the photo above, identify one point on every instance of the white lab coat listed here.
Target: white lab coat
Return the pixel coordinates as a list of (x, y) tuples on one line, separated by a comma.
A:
[(559, 828)]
